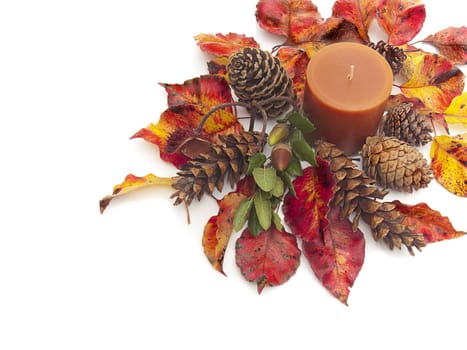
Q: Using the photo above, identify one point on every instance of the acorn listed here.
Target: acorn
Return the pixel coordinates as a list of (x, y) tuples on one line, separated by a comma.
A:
[(278, 133), (281, 156)]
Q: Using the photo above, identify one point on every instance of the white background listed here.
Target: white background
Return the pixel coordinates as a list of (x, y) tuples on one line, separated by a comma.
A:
[(77, 79)]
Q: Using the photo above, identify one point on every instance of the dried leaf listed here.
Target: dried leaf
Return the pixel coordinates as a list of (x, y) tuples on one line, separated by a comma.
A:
[(219, 228), (449, 162), (269, 259), (401, 19), (133, 183), (306, 212), (337, 257), (451, 42), (427, 221), (221, 45), (457, 111), (358, 12), (189, 102), (297, 20), (433, 79), (295, 61)]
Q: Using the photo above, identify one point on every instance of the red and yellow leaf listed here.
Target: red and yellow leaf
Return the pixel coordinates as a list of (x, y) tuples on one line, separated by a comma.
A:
[(133, 183), (457, 111), (306, 213), (219, 228), (358, 12), (451, 42), (224, 45), (402, 20), (337, 257), (427, 221), (269, 259), (449, 163), (433, 79), (297, 20), (295, 61), (189, 102)]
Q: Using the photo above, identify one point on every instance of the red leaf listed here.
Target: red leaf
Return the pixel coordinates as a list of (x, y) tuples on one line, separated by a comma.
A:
[(224, 45), (271, 258), (451, 42), (295, 61), (297, 20), (219, 228), (306, 213), (337, 257), (427, 221), (358, 12), (401, 19)]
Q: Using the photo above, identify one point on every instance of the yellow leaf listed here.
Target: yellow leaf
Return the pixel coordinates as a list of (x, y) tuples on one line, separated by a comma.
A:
[(449, 162), (457, 111), (132, 183)]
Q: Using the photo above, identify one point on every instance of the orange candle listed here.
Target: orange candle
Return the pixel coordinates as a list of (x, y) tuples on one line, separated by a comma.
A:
[(347, 87)]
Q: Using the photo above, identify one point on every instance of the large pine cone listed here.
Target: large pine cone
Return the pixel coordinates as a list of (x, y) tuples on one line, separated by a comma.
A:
[(407, 124), (395, 164), (255, 76)]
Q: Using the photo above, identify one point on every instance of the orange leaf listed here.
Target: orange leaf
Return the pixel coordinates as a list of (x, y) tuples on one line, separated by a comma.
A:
[(451, 42), (219, 228), (457, 111), (306, 213), (297, 20), (224, 45), (269, 259), (295, 61), (427, 221), (449, 162), (401, 19), (337, 257), (133, 183), (358, 12), (433, 79)]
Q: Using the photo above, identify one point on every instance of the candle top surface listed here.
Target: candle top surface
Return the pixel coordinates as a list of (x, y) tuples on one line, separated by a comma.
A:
[(349, 76)]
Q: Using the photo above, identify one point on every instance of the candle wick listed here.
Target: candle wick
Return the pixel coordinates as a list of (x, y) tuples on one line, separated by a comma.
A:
[(351, 72)]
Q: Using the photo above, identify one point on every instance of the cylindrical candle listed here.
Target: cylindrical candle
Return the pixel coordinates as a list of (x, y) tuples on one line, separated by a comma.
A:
[(347, 87)]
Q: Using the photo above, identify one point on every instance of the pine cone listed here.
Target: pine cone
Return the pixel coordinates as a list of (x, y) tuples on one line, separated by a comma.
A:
[(255, 76), (395, 164), (356, 194), (407, 124), (394, 55), (207, 171)]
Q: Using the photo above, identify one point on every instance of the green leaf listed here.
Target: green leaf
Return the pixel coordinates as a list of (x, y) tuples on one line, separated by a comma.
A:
[(301, 122), (294, 168), (255, 161), (265, 178), (263, 210), (242, 214), (287, 178), (253, 224), (276, 220), (278, 189), (302, 148)]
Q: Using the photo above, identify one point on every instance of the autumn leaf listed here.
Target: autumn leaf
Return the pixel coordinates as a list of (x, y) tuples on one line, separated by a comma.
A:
[(306, 213), (219, 228), (457, 110), (358, 12), (133, 183), (188, 103), (297, 20), (449, 162), (268, 259), (402, 20), (428, 222), (295, 61), (337, 257), (431, 78), (451, 42), (224, 45)]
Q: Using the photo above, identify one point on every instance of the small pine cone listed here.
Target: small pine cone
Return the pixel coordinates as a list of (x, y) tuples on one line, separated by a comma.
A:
[(395, 164), (394, 55), (407, 124), (255, 76), (356, 194), (208, 170)]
